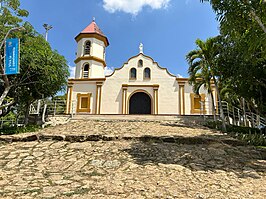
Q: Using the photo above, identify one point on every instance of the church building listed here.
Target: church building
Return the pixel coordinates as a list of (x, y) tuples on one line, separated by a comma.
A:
[(140, 86)]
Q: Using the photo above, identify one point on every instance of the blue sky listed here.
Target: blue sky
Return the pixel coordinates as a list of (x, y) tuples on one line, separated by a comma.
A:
[(167, 28)]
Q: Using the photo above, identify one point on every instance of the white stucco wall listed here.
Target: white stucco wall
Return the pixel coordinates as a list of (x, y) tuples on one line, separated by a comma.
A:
[(97, 50), (84, 88), (167, 92), (112, 92), (97, 47)]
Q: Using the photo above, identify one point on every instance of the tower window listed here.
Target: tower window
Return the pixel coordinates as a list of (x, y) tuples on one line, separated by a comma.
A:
[(140, 63), (87, 48), (133, 73), (147, 73), (86, 71)]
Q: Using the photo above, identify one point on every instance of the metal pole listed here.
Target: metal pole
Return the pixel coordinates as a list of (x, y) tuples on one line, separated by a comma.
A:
[(47, 28), (238, 117), (234, 117), (54, 107)]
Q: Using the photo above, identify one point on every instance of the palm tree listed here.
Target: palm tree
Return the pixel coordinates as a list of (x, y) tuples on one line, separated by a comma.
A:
[(202, 65)]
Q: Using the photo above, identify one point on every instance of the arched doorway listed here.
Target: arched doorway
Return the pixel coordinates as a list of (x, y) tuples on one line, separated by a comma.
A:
[(140, 103)]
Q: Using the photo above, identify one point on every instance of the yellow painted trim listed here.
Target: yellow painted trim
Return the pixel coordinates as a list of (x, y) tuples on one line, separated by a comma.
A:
[(70, 98), (92, 35), (142, 91), (96, 103), (124, 99), (184, 103), (82, 110), (87, 58), (156, 103), (100, 100), (141, 85), (193, 110), (72, 81), (154, 97), (126, 102), (181, 98)]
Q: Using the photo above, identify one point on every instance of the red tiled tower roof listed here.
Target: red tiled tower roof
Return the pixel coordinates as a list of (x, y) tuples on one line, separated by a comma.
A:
[(93, 28)]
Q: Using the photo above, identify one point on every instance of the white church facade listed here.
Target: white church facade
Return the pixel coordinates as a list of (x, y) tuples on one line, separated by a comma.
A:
[(140, 86)]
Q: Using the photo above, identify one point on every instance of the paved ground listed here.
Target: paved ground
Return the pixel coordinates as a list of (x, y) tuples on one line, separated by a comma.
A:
[(131, 168)]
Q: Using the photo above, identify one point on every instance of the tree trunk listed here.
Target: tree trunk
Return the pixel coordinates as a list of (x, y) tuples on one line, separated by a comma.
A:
[(6, 83), (256, 17), (220, 104), (27, 113), (213, 107)]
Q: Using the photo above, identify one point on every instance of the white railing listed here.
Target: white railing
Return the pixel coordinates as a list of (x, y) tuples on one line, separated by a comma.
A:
[(56, 107), (239, 117)]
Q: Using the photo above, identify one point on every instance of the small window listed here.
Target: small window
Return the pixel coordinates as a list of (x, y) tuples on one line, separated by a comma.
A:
[(140, 63), (86, 71), (133, 73), (147, 73), (87, 48)]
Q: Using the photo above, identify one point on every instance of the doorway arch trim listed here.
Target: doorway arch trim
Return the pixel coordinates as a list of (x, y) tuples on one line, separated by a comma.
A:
[(140, 91)]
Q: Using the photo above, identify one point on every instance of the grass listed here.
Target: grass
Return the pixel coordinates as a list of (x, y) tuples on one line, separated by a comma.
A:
[(17, 130), (251, 136)]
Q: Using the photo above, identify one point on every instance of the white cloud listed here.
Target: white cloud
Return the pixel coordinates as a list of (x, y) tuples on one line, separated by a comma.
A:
[(72, 70), (179, 76), (133, 6), (108, 71)]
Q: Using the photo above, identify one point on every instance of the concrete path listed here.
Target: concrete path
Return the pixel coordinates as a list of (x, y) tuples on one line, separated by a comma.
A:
[(140, 160)]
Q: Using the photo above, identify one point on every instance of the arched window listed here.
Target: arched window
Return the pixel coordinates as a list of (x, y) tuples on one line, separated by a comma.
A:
[(87, 48), (133, 73), (140, 63), (86, 71), (147, 73)]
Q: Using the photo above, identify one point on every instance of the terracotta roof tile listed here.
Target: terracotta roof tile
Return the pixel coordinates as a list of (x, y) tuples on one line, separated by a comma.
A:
[(93, 28)]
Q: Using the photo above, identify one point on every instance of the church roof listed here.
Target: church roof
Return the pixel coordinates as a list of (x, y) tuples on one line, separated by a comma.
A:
[(93, 28)]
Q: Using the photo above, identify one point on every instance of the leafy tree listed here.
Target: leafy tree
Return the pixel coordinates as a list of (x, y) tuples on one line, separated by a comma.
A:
[(242, 19), (243, 75), (242, 59), (43, 71), (203, 65), (11, 17)]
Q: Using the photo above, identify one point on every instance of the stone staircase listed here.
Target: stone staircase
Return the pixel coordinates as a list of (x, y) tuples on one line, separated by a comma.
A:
[(181, 118)]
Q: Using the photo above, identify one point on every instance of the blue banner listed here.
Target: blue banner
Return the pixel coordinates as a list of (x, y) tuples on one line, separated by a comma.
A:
[(12, 57)]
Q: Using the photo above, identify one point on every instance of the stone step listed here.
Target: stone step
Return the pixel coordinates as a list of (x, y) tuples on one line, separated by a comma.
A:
[(95, 137), (141, 117)]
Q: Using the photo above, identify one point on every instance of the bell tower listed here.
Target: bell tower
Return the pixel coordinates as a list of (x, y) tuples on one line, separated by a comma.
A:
[(90, 59)]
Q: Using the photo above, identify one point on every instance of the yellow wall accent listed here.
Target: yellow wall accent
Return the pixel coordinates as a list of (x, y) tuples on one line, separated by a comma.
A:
[(90, 58), (195, 103), (81, 106), (92, 35)]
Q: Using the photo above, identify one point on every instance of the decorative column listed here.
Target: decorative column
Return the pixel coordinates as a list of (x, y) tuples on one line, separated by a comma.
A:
[(181, 98), (155, 99), (69, 98), (98, 97), (124, 98)]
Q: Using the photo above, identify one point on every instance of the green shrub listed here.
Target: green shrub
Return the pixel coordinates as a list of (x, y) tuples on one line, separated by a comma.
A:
[(251, 136), (17, 130)]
